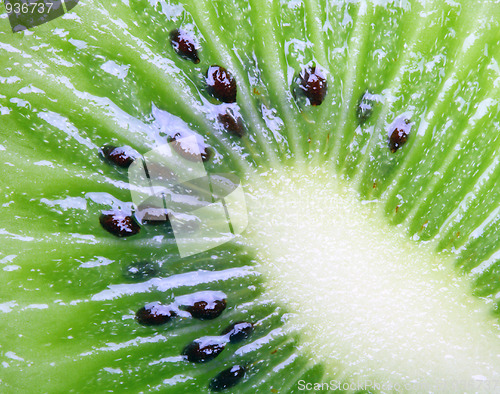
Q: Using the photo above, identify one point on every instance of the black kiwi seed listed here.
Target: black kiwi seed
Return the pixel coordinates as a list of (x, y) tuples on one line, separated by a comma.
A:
[(184, 151), (122, 156), (119, 224), (313, 84), (232, 123), (201, 350), (221, 84), (397, 139), (238, 331), (204, 310), (228, 378), (184, 45), (154, 314), (140, 270)]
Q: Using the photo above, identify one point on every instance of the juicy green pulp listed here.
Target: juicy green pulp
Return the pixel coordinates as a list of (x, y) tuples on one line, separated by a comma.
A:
[(437, 61)]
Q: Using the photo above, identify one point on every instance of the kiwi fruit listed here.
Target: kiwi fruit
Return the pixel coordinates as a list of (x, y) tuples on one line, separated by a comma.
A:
[(366, 137)]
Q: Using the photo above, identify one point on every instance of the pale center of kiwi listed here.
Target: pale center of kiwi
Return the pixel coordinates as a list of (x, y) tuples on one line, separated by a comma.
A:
[(371, 303)]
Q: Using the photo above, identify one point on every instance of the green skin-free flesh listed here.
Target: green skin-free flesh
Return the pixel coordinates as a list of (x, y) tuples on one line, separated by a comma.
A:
[(358, 264)]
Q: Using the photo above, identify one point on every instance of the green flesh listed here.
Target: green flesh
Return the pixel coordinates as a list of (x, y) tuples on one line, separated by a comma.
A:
[(439, 195)]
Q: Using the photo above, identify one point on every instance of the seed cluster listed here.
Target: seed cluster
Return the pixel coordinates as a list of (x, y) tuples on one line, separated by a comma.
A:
[(202, 310), (220, 84), (204, 349)]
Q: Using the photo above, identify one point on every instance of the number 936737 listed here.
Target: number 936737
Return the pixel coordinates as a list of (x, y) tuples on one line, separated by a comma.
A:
[(39, 7)]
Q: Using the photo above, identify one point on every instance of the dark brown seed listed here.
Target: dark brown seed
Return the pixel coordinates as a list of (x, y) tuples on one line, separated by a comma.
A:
[(204, 310), (203, 349), (397, 139), (313, 84), (184, 45), (119, 224), (187, 152), (221, 84), (122, 156), (154, 314), (238, 331), (232, 123), (228, 378)]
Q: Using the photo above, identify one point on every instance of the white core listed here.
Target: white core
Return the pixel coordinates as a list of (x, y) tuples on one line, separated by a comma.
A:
[(371, 303)]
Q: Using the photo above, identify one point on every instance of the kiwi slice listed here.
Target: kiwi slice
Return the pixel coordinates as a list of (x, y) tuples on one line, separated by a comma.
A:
[(366, 137)]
